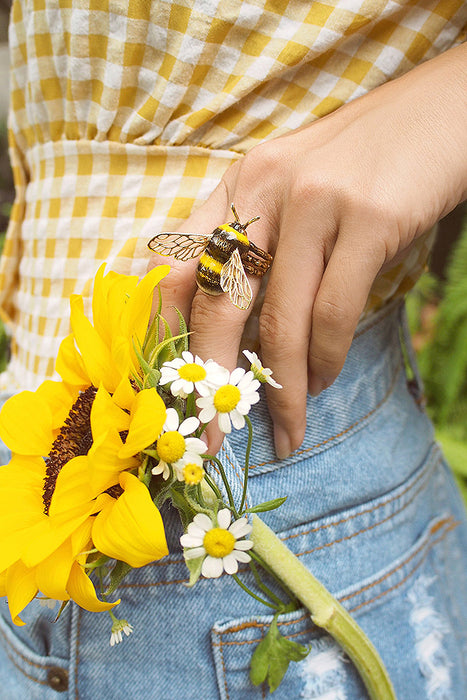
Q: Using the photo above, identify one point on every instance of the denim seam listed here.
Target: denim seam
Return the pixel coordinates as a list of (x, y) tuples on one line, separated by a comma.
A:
[(248, 625), (328, 440), (321, 527), (449, 529), (235, 472), (423, 474), (42, 667), (22, 670), (437, 526)]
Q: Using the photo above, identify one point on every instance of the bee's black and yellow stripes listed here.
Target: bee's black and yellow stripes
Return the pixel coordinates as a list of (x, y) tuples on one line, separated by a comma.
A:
[(222, 244)]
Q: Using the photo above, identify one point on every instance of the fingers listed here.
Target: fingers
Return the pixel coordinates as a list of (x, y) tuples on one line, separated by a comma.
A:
[(285, 322), (356, 259), (178, 288)]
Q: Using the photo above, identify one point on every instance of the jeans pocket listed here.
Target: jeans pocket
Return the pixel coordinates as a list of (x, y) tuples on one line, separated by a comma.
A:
[(27, 675), (405, 611)]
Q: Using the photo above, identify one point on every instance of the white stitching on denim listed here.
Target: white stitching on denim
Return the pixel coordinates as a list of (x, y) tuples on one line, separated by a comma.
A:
[(323, 671), (430, 629)]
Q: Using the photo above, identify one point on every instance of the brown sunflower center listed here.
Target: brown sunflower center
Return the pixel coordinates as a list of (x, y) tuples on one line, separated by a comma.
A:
[(74, 439)]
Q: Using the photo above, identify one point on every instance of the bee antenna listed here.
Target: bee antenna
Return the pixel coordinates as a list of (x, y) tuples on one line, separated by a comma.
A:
[(255, 218), (232, 206)]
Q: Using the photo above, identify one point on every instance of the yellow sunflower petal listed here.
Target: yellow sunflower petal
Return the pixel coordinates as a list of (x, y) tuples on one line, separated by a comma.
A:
[(140, 303), (148, 415), (106, 414), (21, 506), (49, 534), (60, 397), (110, 295), (81, 590), (104, 463), (131, 528), (72, 487), (124, 394), (69, 363), (26, 424), (3, 583), (95, 353), (20, 588), (52, 574)]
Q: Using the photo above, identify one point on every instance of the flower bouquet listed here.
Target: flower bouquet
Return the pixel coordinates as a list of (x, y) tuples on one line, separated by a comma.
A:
[(96, 455)]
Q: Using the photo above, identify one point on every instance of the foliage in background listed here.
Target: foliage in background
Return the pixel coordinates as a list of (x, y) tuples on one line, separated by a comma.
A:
[(438, 319)]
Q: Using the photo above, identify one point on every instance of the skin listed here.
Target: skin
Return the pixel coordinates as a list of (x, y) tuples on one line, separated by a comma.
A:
[(340, 200)]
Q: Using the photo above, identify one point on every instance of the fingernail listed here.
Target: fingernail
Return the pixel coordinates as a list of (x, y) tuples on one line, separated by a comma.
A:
[(282, 442)]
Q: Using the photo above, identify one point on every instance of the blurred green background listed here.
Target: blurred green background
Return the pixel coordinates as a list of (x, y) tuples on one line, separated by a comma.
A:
[(437, 307)]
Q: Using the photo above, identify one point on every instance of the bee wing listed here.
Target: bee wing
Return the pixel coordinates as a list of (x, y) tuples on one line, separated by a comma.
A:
[(235, 282), (182, 246)]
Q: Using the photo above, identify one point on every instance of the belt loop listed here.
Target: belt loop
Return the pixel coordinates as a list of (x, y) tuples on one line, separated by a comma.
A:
[(414, 379)]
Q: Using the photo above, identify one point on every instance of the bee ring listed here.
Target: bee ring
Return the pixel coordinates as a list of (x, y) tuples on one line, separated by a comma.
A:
[(226, 255)]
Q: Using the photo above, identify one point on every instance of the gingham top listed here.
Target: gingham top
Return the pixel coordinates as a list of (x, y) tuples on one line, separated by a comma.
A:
[(129, 110)]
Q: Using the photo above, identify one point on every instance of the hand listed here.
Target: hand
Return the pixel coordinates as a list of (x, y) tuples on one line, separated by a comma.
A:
[(340, 200)]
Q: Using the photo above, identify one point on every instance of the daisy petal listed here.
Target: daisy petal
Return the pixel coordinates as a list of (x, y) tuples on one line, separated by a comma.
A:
[(212, 567), (242, 556), (188, 540), (238, 421), (240, 528), (194, 553), (224, 422), (189, 425), (230, 564), (223, 518), (172, 420), (203, 521)]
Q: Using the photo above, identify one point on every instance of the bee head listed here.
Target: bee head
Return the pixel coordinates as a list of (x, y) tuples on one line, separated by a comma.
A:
[(237, 225)]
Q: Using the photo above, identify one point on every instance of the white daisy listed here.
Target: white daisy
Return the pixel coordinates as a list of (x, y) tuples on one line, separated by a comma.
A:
[(173, 447), (190, 470), (119, 628), (186, 373), (231, 400), (263, 374), (219, 542)]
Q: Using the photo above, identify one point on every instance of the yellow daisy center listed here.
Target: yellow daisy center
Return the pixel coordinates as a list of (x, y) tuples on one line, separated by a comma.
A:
[(226, 398), (218, 542), (171, 446), (192, 372), (193, 473)]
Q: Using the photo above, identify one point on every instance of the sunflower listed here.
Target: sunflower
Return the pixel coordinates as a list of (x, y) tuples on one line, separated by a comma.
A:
[(74, 444), (103, 352)]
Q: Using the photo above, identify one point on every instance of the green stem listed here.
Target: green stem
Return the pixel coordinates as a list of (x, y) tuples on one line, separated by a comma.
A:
[(226, 484), (213, 485), (253, 595), (326, 611), (271, 595), (247, 462), (190, 405)]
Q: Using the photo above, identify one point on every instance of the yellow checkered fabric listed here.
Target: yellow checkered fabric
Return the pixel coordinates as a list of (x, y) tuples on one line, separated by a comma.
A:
[(125, 114)]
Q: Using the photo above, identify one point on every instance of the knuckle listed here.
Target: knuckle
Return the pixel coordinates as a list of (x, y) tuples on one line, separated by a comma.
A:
[(330, 315), (272, 327), (311, 185), (213, 312)]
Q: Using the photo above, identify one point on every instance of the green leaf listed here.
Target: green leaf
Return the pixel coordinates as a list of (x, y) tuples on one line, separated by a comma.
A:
[(194, 567), (267, 505), (272, 656), (118, 573), (62, 608)]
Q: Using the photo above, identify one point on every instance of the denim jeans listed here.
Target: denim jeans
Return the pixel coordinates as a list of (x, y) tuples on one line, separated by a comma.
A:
[(371, 510)]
